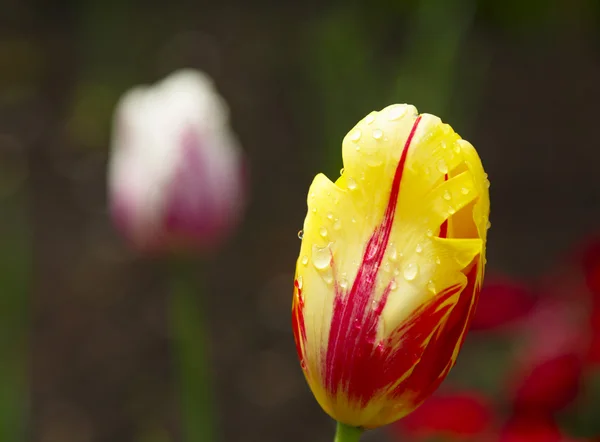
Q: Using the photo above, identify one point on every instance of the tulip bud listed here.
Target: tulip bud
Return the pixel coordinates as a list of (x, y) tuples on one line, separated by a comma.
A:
[(390, 266), (175, 174)]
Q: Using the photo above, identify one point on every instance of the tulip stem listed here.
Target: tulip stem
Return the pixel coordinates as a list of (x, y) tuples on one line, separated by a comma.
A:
[(191, 341), (346, 433)]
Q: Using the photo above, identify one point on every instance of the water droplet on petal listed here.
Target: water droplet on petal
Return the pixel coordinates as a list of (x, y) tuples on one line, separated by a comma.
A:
[(419, 248), (386, 267), (299, 282), (323, 232), (456, 147), (351, 183), (438, 260), (442, 166), (329, 215), (489, 225), (342, 171), (393, 254), (443, 144), (343, 283), (396, 112), (464, 191), (314, 209), (431, 286), (451, 210), (328, 278), (369, 118), (353, 220), (487, 183), (410, 271), (429, 233), (355, 135), (300, 234), (447, 195), (396, 272), (393, 285), (337, 225), (377, 134), (321, 257), (304, 260)]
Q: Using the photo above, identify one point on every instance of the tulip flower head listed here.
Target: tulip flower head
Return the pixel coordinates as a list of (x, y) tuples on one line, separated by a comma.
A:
[(175, 176), (390, 266)]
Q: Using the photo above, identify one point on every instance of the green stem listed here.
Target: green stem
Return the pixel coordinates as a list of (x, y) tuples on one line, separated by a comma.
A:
[(191, 344), (345, 433)]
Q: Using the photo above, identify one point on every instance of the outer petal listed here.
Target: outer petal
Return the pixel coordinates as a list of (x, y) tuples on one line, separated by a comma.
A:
[(389, 250)]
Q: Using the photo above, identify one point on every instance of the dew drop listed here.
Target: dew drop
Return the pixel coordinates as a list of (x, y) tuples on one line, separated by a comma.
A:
[(443, 144), (323, 232), (489, 225), (393, 254), (396, 272), (377, 134), (303, 365), (396, 112), (386, 267), (304, 260), (328, 278), (456, 148), (393, 285), (429, 233), (431, 286), (419, 248), (337, 225), (343, 283), (442, 166), (438, 260), (351, 183), (342, 171), (369, 118), (451, 210), (410, 271), (314, 210), (487, 183), (447, 196), (355, 135), (300, 234), (329, 215), (464, 191), (299, 282), (321, 257), (353, 220)]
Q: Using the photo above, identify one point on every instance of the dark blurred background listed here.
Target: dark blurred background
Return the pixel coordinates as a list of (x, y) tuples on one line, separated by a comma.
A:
[(85, 349)]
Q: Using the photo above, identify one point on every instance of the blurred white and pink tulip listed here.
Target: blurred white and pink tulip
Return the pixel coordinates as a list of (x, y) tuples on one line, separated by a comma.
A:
[(176, 173)]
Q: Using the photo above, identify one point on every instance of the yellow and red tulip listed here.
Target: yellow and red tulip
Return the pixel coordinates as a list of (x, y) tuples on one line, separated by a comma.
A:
[(390, 266)]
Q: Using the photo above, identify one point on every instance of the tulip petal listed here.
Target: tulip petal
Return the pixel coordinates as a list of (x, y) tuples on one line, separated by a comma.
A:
[(390, 266)]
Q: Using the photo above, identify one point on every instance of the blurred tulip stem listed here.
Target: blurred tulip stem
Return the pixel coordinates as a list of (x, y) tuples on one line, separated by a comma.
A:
[(15, 276), (346, 433), (191, 343)]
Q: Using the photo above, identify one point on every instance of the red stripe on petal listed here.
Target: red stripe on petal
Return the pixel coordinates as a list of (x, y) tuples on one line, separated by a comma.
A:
[(354, 322), (444, 226), (298, 325), (438, 357)]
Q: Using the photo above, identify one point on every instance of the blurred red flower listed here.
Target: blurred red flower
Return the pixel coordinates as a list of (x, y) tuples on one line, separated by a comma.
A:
[(502, 301), (550, 364), (460, 416), (531, 428)]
